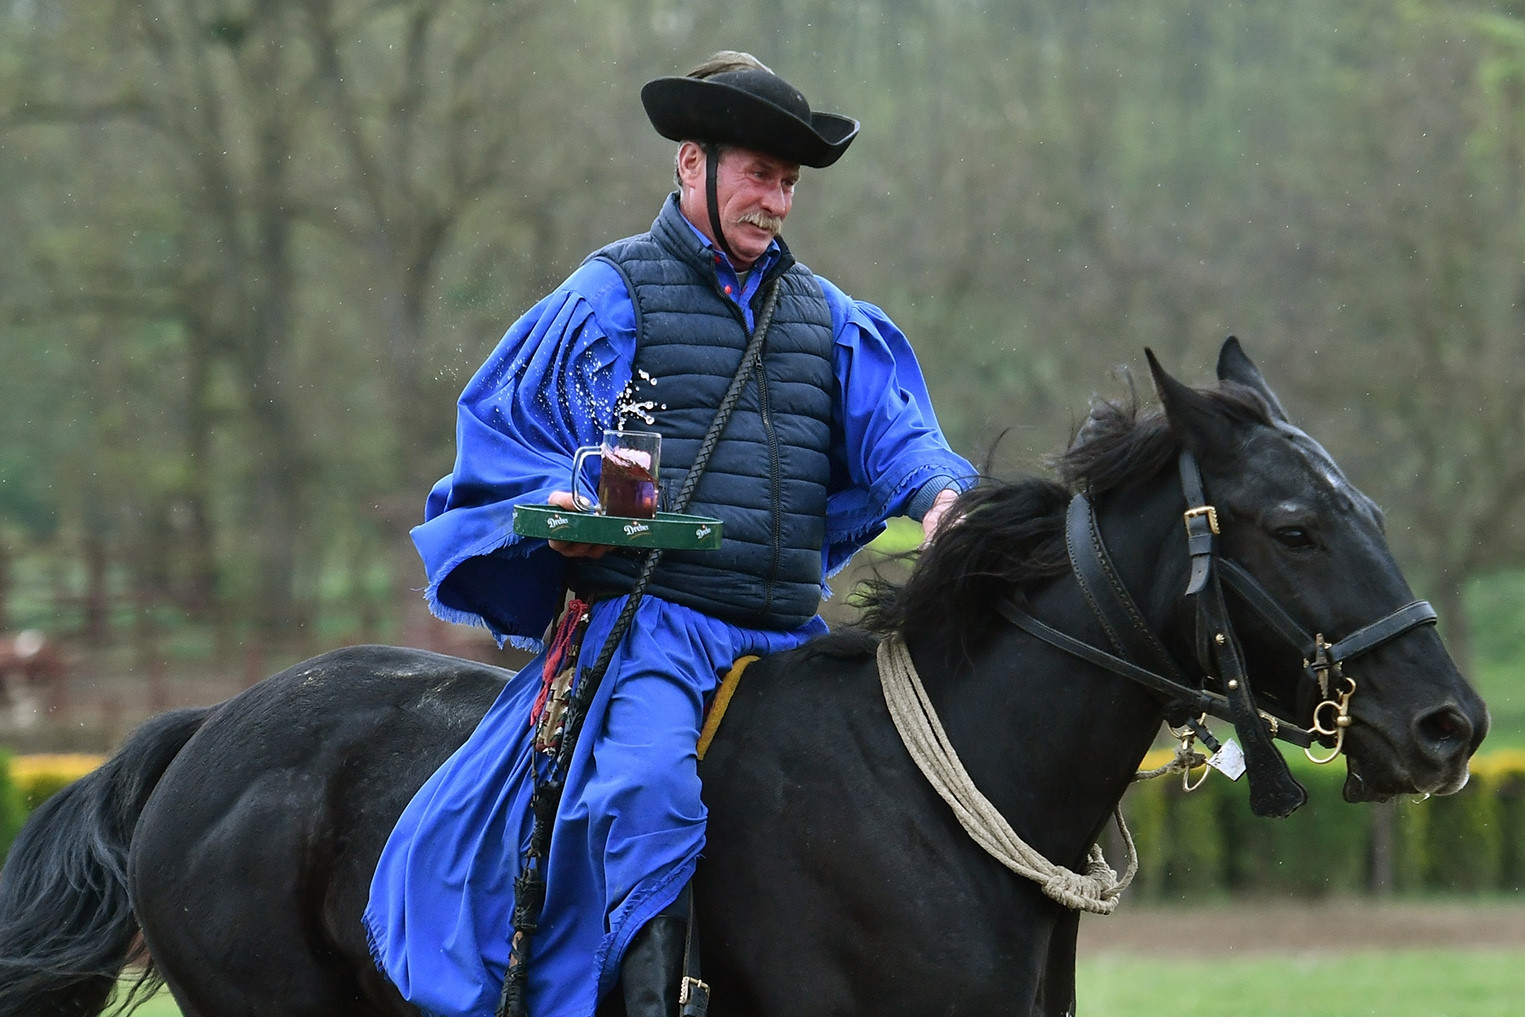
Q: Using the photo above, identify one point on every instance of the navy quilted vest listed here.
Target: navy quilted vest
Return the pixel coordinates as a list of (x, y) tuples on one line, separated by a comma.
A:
[(768, 476)]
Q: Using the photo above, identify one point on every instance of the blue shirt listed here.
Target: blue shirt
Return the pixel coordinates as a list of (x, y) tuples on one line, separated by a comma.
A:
[(741, 291), (552, 385)]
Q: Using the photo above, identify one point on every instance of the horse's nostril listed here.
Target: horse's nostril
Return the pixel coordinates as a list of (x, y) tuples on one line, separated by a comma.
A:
[(1444, 731)]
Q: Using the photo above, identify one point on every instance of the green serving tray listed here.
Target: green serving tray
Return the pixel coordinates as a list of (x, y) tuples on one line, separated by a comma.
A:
[(668, 529)]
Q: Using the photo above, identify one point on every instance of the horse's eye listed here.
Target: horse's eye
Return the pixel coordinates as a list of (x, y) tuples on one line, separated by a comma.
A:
[(1294, 537)]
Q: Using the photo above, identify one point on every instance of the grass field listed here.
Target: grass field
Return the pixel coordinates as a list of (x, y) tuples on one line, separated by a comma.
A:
[(160, 1006), (1405, 983)]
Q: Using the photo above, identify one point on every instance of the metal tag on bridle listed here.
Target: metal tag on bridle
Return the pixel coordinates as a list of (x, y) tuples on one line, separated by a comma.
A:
[(1228, 760)]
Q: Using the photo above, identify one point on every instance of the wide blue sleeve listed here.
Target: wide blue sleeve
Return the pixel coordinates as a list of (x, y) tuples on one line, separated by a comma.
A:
[(887, 441), (549, 387)]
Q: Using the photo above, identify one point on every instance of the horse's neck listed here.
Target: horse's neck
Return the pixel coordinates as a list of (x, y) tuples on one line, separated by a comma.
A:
[(1051, 741), (1047, 742)]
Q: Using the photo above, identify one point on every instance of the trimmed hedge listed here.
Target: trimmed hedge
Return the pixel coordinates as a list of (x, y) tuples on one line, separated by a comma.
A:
[(1207, 840), (28, 781), (39, 777), (13, 806)]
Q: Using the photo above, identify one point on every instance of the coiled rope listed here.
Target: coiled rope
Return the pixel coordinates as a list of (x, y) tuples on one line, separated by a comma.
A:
[(1097, 890)]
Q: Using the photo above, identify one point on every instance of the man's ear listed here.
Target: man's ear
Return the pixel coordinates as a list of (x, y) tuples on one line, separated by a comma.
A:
[(690, 165)]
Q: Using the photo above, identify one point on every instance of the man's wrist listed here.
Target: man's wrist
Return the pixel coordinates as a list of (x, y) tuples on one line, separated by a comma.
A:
[(925, 495)]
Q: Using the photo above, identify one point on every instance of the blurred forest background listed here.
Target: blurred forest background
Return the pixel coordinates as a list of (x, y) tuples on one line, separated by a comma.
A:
[(254, 248)]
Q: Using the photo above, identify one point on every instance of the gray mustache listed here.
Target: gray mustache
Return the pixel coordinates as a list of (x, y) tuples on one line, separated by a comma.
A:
[(762, 220)]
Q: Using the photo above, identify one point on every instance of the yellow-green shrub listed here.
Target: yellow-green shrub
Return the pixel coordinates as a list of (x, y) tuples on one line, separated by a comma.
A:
[(1208, 840), (41, 776), (13, 810)]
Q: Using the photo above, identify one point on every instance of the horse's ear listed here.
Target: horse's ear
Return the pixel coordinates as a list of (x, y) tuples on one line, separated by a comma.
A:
[(1235, 365), (1194, 418)]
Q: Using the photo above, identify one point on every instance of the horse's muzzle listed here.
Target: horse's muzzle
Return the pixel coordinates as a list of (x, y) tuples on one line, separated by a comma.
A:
[(1440, 743)]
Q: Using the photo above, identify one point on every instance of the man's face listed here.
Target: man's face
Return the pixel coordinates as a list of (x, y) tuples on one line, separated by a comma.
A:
[(753, 192)]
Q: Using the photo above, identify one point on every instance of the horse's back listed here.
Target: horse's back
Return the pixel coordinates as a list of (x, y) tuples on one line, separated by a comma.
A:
[(268, 825)]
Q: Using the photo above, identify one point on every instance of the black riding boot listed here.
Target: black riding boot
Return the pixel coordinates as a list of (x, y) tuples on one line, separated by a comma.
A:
[(653, 967)]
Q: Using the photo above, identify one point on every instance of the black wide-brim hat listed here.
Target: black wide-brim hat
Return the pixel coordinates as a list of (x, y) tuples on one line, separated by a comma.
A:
[(750, 108)]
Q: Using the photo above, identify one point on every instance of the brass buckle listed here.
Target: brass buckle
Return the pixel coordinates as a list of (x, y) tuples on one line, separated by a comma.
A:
[(1210, 511)]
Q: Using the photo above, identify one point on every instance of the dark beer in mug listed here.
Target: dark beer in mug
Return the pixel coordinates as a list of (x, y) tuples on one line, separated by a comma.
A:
[(626, 486), (628, 465)]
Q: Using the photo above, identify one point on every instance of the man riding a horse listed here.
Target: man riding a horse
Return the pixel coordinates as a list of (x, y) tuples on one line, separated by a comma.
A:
[(1052, 629), (1030, 658), (831, 433)]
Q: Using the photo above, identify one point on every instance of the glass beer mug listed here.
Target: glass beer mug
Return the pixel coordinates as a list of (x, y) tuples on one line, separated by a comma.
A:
[(627, 484)]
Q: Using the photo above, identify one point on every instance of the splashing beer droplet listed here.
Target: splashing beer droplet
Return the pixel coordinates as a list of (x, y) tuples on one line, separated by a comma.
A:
[(631, 405)]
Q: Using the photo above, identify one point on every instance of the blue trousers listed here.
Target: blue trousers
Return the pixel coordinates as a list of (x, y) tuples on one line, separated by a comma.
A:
[(627, 837)]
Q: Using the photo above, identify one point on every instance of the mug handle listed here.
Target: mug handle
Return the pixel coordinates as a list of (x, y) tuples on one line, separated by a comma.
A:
[(579, 501)]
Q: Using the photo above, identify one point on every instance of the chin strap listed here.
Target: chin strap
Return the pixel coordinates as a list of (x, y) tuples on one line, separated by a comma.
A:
[(711, 176)]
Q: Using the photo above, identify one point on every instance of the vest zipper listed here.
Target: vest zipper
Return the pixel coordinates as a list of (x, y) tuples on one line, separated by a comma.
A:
[(775, 478)]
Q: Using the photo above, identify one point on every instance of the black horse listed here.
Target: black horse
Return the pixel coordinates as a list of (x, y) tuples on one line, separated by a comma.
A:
[(240, 839)]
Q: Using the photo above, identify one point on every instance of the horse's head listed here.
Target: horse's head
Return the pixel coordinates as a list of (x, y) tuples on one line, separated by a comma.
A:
[(1314, 549)]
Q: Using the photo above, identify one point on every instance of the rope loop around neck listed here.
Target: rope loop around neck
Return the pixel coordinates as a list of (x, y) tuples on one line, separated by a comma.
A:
[(1096, 890)]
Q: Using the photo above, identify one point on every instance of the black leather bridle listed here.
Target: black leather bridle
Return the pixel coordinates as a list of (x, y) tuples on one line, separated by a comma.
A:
[(1138, 653)]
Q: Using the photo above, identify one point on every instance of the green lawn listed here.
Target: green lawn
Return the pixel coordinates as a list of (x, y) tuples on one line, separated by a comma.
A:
[(1410, 983), (160, 1006)]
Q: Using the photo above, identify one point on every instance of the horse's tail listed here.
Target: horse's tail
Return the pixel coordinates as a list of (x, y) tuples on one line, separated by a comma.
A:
[(66, 925)]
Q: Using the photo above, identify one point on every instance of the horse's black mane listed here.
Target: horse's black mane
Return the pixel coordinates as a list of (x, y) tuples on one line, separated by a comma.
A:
[(1007, 535)]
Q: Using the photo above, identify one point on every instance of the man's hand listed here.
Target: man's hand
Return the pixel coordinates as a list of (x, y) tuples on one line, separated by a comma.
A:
[(563, 499), (934, 517)]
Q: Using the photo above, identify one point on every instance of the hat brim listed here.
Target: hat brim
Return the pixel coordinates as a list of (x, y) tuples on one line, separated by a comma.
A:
[(696, 109)]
